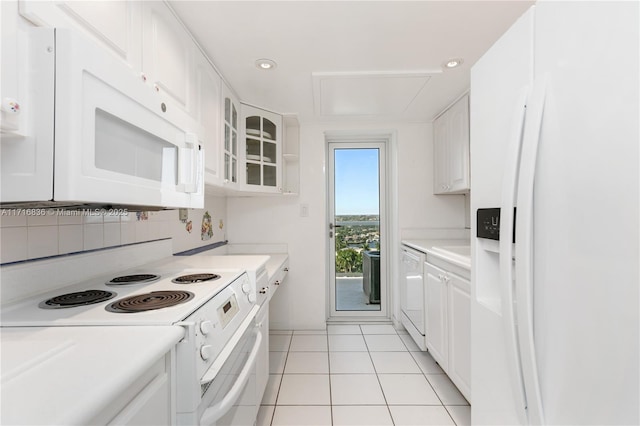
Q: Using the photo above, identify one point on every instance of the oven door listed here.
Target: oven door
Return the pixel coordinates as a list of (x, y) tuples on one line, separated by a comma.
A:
[(229, 393)]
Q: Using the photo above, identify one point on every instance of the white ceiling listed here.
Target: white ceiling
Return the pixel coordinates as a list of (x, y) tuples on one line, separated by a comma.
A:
[(346, 60)]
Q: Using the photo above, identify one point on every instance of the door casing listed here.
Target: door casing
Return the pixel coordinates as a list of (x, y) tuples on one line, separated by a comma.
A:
[(388, 210)]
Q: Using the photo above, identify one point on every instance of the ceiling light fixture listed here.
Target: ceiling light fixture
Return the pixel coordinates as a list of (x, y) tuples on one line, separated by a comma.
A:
[(266, 64), (453, 63)]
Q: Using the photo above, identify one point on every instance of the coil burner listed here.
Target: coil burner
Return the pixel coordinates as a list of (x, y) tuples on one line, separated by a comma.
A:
[(194, 278), (81, 298), (149, 301), (133, 279)]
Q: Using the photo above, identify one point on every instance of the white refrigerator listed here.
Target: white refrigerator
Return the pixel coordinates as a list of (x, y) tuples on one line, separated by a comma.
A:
[(555, 296)]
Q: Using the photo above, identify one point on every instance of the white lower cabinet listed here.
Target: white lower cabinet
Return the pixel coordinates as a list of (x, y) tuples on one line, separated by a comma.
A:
[(459, 306), (147, 401), (436, 314), (448, 320), (277, 280)]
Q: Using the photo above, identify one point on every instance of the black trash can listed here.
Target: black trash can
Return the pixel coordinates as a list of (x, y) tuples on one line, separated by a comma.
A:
[(371, 275)]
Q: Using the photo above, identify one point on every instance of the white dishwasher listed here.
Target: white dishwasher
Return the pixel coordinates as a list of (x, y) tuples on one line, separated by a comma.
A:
[(412, 295)]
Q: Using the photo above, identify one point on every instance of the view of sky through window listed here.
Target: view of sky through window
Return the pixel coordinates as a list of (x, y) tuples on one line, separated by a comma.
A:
[(356, 181)]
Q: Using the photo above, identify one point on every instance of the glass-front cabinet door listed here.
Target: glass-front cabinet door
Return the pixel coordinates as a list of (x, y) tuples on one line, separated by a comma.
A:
[(263, 135), (231, 125)]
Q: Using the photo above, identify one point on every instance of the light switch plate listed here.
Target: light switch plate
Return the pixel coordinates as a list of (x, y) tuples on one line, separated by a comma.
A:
[(304, 210)]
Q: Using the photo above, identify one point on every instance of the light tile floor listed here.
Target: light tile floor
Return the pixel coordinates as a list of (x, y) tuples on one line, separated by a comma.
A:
[(356, 375)]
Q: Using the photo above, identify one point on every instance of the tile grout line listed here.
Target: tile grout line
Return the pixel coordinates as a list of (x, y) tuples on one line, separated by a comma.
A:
[(434, 391), (275, 406), (332, 420), (329, 377), (393, 422)]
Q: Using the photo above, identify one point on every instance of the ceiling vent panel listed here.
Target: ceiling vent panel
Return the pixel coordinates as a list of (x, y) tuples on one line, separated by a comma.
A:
[(366, 94)]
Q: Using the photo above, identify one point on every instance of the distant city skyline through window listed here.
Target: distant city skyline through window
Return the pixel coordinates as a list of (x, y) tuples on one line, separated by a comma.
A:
[(356, 182)]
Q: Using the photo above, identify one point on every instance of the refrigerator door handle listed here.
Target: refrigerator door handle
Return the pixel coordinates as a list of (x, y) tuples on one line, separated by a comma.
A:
[(524, 250), (509, 182)]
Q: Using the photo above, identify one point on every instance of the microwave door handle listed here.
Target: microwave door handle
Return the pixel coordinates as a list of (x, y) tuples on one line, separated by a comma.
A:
[(188, 163), (213, 413)]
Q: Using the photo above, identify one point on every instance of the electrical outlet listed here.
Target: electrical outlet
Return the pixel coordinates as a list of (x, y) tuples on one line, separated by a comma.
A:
[(183, 215)]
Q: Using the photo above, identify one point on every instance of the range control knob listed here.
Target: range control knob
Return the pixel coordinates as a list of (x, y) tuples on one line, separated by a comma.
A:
[(246, 288), (251, 297), (206, 351), (206, 327)]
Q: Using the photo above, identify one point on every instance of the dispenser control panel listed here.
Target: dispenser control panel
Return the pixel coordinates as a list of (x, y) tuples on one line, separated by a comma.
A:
[(488, 224)]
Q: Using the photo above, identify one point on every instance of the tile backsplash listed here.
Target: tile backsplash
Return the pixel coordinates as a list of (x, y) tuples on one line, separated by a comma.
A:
[(27, 236)]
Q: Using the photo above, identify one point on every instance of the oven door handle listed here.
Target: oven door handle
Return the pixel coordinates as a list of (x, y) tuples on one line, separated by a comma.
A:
[(213, 413)]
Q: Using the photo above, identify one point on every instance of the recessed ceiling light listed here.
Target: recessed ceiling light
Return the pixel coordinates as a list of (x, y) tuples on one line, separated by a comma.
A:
[(266, 64), (452, 63)]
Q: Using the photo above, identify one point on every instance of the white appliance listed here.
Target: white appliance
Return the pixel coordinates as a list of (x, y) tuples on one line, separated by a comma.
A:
[(216, 360), (554, 133), (412, 301), (79, 127)]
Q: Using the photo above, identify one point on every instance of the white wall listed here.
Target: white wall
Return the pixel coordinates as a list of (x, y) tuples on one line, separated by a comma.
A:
[(301, 303), (26, 236)]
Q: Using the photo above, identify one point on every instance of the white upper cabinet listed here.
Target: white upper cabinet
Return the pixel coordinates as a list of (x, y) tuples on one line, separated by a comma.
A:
[(243, 145), (168, 55), (115, 24), (230, 138), (290, 155), (262, 149), (209, 115), (451, 149)]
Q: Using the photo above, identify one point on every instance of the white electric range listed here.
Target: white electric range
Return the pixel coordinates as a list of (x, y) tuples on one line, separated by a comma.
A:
[(142, 296), (215, 361)]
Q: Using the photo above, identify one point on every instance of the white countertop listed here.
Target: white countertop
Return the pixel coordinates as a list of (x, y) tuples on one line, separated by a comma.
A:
[(275, 264), (248, 262), (452, 251), (66, 375)]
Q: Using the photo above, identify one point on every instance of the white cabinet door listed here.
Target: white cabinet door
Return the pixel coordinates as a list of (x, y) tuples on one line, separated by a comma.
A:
[(26, 151), (458, 167), (451, 149), (168, 54), (146, 401), (209, 112), (440, 158), (115, 24), (262, 149), (436, 313), (230, 137), (460, 334)]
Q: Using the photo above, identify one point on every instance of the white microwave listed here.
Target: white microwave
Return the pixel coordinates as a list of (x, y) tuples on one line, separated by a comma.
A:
[(89, 130)]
